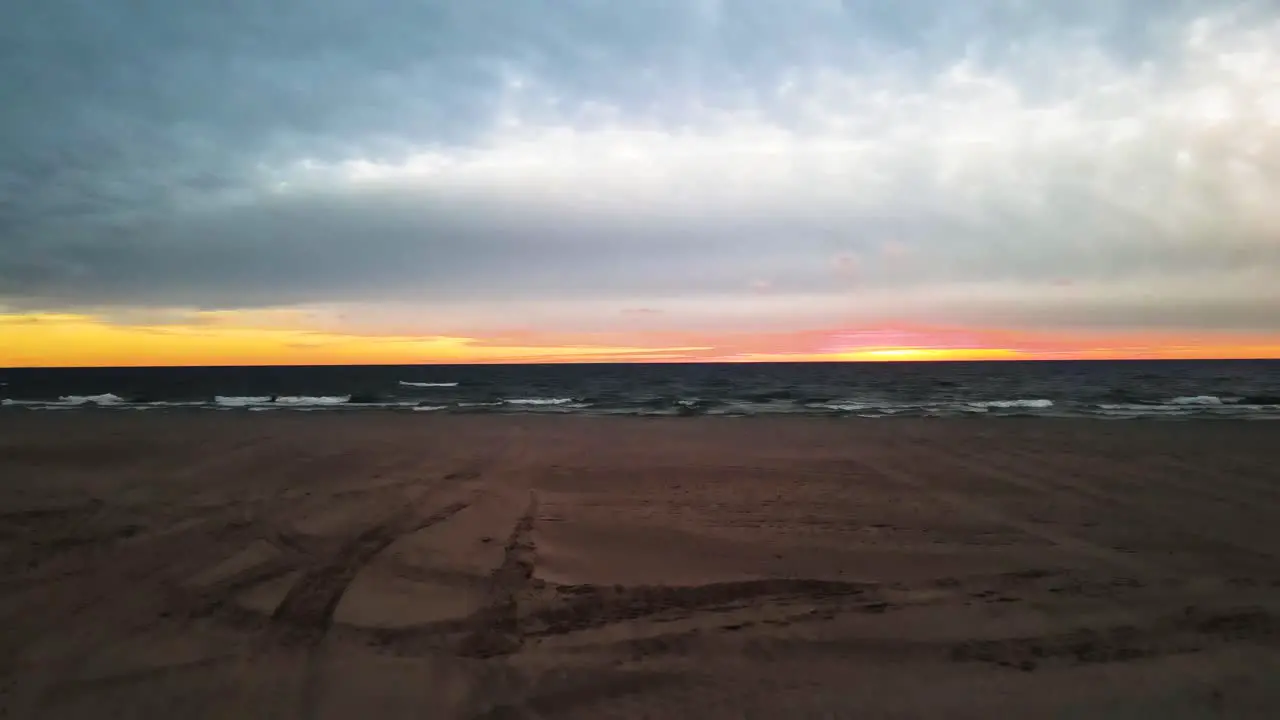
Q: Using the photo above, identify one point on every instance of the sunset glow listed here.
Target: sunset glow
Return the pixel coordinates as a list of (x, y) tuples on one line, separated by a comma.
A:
[(80, 341)]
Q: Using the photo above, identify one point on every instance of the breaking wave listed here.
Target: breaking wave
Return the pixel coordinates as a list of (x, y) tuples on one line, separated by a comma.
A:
[(1197, 400), (281, 400), (231, 401), (103, 399), (1007, 404), (537, 401), (305, 400)]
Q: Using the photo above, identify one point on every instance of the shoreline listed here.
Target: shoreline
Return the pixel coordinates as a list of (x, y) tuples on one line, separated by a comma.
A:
[(1208, 413)]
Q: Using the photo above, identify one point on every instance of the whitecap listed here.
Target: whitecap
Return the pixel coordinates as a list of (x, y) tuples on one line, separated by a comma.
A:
[(35, 404), (407, 383), (241, 401), (304, 400), (1196, 400), (176, 403), (103, 399), (429, 408), (1141, 408), (537, 401), (855, 406), (1005, 404), (843, 406)]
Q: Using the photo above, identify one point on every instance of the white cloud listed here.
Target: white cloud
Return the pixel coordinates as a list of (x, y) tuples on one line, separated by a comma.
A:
[(1149, 157), (945, 175)]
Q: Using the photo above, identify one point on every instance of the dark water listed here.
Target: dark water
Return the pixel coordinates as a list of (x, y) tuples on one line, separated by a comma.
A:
[(1164, 389)]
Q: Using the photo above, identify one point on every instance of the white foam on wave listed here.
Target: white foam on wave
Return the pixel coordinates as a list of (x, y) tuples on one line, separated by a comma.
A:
[(177, 403), (312, 399), (878, 408), (241, 401), (1006, 404), (429, 408), (407, 383), (1139, 408), (256, 401), (103, 399), (1205, 409), (843, 406), (1142, 411), (1196, 400), (537, 401)]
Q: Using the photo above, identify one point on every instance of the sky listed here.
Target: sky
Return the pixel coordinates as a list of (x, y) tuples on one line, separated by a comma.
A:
[(338, 181)]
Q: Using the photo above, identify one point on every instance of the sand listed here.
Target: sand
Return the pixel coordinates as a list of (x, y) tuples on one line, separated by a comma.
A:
[(361, 564)]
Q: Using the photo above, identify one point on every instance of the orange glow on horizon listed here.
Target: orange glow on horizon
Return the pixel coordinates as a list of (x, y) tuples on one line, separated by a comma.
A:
[(65, 340)]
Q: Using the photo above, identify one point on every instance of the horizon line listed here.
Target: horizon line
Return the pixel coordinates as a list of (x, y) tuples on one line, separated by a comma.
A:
[(917, 361)]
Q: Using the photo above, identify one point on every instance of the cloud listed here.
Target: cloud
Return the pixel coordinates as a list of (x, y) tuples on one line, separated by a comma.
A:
[(498, 164)]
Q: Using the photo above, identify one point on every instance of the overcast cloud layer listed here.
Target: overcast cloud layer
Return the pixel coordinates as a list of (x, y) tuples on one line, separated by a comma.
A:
[(1083, 163)]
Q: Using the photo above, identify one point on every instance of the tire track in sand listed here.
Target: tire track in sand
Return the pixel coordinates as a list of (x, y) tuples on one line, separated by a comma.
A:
[(305, 613), (497, 628)]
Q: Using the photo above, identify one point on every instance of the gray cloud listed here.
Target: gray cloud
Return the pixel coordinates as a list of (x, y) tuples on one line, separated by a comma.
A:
[(965, 160)]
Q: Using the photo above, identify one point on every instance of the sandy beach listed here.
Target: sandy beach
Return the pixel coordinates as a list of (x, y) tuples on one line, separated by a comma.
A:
[(379, 565)]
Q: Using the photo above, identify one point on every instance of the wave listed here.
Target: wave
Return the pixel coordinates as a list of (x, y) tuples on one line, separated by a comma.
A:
[(536, 401), (1099, 402), (103, 399), (1039, 403), (880, 408), (1142, 408), (312, 399), (252, 401), (842, 406), (241, 401), (1197, 400), (873, 408)]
